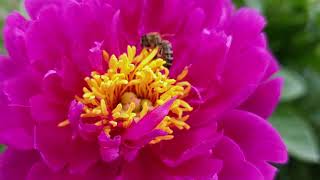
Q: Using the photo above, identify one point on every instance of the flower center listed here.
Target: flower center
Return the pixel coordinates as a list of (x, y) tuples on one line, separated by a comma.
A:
[(133, 86)]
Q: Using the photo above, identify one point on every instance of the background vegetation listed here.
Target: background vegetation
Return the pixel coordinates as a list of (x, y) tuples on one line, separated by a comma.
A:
[(294, 37)]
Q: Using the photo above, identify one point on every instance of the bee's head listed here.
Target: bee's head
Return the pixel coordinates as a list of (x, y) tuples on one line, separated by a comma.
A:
[(151, 40)]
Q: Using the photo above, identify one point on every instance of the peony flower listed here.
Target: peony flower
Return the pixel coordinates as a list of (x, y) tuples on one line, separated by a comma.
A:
[(82, 99)]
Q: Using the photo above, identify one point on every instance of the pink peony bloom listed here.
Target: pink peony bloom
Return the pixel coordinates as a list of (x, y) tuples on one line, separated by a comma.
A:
[(80, 98)]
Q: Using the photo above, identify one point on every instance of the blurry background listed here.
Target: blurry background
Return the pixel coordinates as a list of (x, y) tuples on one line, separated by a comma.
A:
[(294, 36)]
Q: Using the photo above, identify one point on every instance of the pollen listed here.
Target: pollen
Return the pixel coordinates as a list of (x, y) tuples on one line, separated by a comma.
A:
[(134, 85)]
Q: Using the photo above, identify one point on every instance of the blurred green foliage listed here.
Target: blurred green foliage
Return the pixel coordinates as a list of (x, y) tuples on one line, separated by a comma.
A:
[(294, 36)]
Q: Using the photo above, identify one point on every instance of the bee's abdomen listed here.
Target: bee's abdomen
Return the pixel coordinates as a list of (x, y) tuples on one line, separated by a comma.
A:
[(166, 53)]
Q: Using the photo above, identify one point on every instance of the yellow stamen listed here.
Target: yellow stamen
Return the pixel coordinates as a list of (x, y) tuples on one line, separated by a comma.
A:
[(133, 86), (183, 74), (64, 123), (105, 55)]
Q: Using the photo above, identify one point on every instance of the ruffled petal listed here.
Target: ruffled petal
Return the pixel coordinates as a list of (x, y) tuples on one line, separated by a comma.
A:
[(54, 145), (148, 123), (109, 148), (15, 125), (46, 52), (235, 166), (239, 80), (267, 170), (41, 171), (187, 145), (256, 137), (99, 171), (22, 86), (264, 100), (86, 23), (15, 165), (242, 37), (63, 149), (7, 69), (18, 138), (14, 38), (34, 7)]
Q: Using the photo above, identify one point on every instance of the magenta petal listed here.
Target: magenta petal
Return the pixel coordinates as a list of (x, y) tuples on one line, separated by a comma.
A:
[(63, 149), (15, 125), (18, 138), (14, 37), (272, 68), (35, 6), (253, 22), (202, 167), (45, 111), (53, 90), (145, 166), (72, 78), (267, 170), (88, 132), (41, 171), (83, 156), (248, 75), (15, 165), (264, 100), (27, 80), (85, 26), (206, 71), (47, 52), (126, 12), (56, 153), (131, 148), (195, 21), (7, 68), (109, 148), (197, 141), (95, 58), (235, 165), (148, 123), (256, 137), (230, 67)]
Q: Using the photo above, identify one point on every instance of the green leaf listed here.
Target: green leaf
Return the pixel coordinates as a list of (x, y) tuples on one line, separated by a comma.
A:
[(257, 4), (298, 135), (294, 87)]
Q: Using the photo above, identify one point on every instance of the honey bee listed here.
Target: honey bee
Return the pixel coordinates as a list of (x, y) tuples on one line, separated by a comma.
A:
[(153, 40)]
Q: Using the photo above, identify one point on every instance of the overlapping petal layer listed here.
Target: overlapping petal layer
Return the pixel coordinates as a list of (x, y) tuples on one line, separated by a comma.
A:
[(232, 92)]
